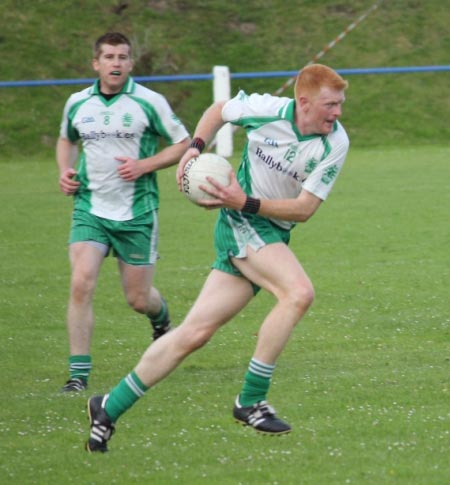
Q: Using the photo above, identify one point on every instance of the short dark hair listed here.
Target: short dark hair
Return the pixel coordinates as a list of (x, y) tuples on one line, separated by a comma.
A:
[(110, 38)]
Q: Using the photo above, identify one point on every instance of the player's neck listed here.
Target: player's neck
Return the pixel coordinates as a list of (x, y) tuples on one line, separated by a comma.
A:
[(107, 92), (108, 96), (302, 124)]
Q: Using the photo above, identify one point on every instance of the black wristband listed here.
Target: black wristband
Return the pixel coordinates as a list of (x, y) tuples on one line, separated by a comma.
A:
[(198, 143), (251, 205)]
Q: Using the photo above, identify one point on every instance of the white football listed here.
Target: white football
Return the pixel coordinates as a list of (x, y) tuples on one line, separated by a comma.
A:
[(196, 171)]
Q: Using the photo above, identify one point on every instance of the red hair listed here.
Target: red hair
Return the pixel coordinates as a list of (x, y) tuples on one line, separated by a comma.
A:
[(311, 78)]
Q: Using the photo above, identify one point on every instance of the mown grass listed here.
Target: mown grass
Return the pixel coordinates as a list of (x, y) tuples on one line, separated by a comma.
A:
[(364, 380)]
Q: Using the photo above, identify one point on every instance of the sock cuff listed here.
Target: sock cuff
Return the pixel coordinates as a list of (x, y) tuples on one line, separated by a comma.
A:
[(80, 367), (80, 358), (260, 369), (161, 316), (135, 384)]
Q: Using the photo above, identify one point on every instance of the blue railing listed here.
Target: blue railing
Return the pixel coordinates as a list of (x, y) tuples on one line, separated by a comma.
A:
[(237, 75)]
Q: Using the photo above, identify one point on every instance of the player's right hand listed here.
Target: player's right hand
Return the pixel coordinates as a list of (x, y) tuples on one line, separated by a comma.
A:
[(190, 153), (67, 184)]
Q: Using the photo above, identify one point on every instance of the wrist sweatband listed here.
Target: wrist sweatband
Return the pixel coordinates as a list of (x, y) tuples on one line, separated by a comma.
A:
[(198, 143), (251, 205)]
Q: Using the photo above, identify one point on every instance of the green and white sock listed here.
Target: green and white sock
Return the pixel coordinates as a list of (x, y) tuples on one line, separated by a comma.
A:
[(124, 395), (161, 318), (80, 366), (256, 383)]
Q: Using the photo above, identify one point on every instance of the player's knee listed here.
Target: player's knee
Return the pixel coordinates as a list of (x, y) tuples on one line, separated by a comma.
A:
[(139, 302), (196, 336), (307, 295), (301, 297), (82, 289)]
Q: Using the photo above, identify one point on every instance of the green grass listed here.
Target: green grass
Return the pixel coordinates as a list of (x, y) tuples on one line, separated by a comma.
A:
[(364, 380), (43, 39)]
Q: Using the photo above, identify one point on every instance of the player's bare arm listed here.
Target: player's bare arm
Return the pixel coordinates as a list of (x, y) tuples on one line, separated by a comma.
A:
[(131, 169), (66, 156), (208, 125), (233, 197), (297, 210)]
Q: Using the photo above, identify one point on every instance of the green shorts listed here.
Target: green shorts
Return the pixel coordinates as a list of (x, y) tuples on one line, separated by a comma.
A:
[(234, 231), (134, 242)]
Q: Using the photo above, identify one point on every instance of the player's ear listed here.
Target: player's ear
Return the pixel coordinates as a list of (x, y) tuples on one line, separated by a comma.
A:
[(95, 65), (302, 101)]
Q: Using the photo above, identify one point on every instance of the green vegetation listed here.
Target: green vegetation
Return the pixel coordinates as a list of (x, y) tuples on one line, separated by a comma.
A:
[(364, 380), (41, 39)]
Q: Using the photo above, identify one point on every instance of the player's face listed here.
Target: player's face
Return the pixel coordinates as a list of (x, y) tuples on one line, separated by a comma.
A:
[(323, 110), (113, 67)]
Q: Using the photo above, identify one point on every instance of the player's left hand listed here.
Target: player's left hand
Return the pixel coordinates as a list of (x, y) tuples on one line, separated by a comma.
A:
[(130, 169), (231, 196)]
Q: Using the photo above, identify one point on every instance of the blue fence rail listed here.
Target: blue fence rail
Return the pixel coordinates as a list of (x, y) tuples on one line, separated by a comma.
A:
[(237, 75)]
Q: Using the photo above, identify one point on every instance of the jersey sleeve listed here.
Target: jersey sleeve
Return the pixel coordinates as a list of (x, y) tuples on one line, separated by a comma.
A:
[(162, 119), (67, 130), (322, 178), (245, 110)]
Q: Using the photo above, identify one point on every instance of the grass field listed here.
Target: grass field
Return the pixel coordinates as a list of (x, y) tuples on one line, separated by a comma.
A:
[(364, 381)]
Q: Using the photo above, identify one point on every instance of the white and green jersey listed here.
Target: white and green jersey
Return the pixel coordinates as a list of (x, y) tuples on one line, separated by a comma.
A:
[(130, 124), (278, 162)]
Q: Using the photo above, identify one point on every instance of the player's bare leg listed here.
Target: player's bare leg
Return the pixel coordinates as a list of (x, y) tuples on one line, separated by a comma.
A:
[(143, 297), (275, 268), (222, 297), (86, 260)]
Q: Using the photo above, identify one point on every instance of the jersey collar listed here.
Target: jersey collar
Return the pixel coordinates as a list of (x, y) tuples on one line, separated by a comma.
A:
[(289, 114), (128, 87)]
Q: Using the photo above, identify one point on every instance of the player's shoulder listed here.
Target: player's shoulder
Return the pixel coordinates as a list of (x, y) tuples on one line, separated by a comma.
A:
[(265, 99), (80, 96), (257, 104), (146, 94)]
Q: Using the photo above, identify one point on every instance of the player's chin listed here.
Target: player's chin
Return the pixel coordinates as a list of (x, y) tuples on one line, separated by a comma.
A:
[(327, 127), (116, 80)]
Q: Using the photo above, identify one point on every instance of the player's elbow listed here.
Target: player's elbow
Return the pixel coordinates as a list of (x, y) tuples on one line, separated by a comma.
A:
[(303, 218), (307, 205), (307, 208), (304, 215)]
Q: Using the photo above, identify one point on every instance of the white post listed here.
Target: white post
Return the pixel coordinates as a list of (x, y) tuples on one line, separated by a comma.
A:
[(222, 88)]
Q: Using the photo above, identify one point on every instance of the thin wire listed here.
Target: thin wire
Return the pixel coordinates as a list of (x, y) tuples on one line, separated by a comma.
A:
[(319, 55), (329, 46)]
